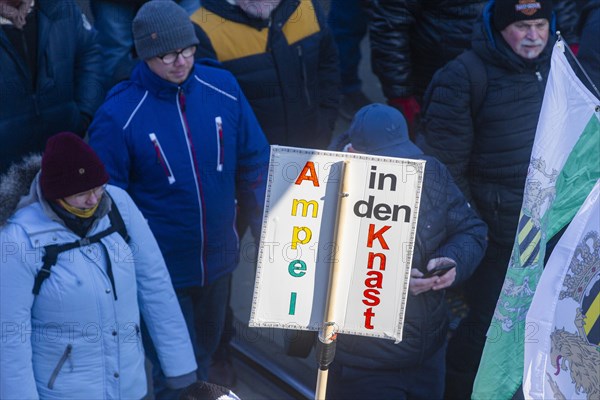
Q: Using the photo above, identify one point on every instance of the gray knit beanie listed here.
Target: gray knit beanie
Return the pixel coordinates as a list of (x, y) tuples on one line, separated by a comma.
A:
[(162, 26)]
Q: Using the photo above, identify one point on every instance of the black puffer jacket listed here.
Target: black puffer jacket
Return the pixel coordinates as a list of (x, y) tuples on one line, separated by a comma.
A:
[(447, 227), (411, 39), (567, 17), (589, 50), (488, 155)]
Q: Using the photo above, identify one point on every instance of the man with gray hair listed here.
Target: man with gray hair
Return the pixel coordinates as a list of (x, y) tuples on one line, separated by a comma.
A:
[(181, 138), (479, 118)]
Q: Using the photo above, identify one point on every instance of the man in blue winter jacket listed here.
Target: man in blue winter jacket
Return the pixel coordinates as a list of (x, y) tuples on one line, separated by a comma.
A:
[(182, 140)]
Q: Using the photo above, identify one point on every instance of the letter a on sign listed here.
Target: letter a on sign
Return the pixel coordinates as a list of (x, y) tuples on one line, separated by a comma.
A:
[(308, 174)]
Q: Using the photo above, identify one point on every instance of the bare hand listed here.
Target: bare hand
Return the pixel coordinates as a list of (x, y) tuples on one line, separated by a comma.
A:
[(418, 284)]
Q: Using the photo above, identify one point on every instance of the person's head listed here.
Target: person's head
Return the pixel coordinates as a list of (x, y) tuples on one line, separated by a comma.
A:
[(524, 25), (164, 38), (381, 130), (72, 173)]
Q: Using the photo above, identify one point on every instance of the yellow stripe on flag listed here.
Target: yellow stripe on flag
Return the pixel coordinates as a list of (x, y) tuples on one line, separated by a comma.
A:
[(533, 246), (592, 315)]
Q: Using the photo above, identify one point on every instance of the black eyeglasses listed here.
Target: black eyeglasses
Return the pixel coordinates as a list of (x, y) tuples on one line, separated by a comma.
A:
[(170, 58)]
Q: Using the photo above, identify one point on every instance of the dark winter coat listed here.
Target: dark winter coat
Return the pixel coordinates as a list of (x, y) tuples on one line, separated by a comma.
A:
[(567, 18), (68, 88), (287, 66), (589, 49), (447, 227), (488, 154), (411, 39)]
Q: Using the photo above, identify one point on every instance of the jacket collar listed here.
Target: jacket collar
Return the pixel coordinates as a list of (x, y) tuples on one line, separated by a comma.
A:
[(143, 75), (46, 219), (234, 13)]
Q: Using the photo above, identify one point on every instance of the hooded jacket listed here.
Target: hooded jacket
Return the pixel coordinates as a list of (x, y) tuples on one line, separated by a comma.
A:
[(412, 39), (68, 88), (79, 337), (488, 153), (447, 227), (287, 66), (188, 155)]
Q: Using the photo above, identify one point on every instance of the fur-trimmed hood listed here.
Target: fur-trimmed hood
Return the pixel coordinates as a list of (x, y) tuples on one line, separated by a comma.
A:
[(16, 186), (20, 187)]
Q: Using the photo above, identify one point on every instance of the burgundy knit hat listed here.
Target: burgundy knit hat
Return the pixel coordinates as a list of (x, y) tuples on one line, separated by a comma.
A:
[(70, 166), (508, 11)]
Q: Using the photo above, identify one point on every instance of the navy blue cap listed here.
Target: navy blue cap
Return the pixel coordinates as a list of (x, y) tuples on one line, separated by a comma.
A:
[(381, 130)]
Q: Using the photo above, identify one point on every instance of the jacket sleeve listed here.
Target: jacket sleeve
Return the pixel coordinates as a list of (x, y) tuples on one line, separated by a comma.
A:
[(329, 76), (16, 281), (589, 51), (389, 32), (107, 138), (567, 17), (157, 300), (252, 169), (466, 232), (89, 74), (446, 130)]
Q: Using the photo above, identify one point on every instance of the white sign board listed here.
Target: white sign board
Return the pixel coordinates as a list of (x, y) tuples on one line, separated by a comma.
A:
[(378, 222)]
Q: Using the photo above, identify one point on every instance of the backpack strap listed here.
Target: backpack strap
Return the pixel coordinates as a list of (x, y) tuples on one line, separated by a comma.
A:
[(116, 221), (50, 257), (52, 251), (478, 80)]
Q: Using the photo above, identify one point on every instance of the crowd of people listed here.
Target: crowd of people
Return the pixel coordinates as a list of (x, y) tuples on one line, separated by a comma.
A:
[(135, 150)]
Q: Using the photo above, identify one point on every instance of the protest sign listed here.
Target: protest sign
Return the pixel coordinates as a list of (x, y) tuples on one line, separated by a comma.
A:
[(376, 233)]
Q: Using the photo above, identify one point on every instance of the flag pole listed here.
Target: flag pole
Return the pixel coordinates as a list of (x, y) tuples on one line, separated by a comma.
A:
[(327, 334), (560, 38)]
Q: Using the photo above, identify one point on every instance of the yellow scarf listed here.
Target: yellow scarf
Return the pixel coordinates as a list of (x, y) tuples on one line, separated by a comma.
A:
[(81, 213)]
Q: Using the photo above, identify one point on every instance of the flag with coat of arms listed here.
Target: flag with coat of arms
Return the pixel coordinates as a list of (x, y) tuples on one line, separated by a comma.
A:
[(562, 353), (564, 166)]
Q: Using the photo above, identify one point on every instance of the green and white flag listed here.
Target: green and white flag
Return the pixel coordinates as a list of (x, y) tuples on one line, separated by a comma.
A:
[(563, 169), (562, 353)]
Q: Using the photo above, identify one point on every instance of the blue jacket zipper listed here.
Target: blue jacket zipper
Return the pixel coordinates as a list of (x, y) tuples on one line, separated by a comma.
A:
[(304, 76), (181, 104)]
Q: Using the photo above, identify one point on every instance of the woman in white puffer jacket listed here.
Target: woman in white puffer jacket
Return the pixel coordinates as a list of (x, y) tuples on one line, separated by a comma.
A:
[(79, 337)]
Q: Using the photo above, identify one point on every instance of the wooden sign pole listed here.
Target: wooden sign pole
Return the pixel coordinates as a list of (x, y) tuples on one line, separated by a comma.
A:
[(327, 334)]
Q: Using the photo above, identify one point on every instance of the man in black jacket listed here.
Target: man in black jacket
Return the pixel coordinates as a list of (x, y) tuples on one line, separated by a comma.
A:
[(487, 148), (412, 39), (448, 233)]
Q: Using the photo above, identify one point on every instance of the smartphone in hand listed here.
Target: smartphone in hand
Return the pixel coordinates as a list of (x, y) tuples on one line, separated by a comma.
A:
[(440, 269)]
